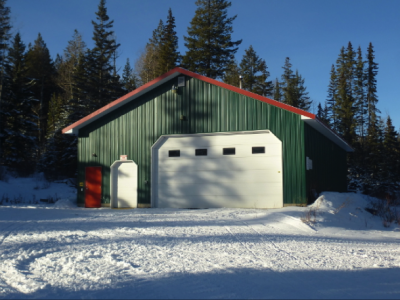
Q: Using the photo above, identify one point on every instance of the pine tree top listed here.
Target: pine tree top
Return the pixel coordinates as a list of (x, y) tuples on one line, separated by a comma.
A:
[(209, 41)]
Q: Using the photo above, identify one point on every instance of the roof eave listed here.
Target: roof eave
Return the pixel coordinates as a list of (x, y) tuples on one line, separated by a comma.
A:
[(74, 128), (308, 117), (327, 132)]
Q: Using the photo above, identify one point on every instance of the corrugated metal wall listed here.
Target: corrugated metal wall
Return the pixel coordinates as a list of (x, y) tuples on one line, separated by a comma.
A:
[(134, 128), (329, 165)]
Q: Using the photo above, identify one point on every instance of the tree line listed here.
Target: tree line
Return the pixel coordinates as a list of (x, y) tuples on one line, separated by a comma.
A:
[(351, 110), (39, 95)]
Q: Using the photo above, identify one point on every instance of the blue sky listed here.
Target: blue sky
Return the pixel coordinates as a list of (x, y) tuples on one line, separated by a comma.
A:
[(310, 32)]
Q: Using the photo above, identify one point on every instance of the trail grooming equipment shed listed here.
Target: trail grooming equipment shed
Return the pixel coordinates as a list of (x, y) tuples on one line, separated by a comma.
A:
[(198, 142)]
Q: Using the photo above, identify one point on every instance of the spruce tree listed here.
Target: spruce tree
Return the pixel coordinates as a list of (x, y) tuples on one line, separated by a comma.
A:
[(5, 36), (169, 56), (322, 113), (209, 41), (128, 78), (302, 100), (391, 159), (232, 74), (255, 73), (287, 84), (105, 86), (360, 99), (373, 157), (293, 90), (332, 98), (41, 69), (21, 143), (277, 91), (345, 101), (371, 90), (61, 149), (345, 110)]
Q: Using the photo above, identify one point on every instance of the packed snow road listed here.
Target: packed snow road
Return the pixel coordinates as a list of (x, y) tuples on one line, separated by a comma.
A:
[(215, 253)]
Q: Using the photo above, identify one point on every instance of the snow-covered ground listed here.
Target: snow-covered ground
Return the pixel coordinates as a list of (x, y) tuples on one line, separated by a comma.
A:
[(34, 190), (62, 251)]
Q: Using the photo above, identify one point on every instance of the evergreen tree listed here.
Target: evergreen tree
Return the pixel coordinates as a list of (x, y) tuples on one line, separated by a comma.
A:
[(60, 150), (322, 113), (360, 99), (373, 158), (345, 109), (232, 74), (209, 42), (391, 159), (169, 56), (128, 78), (287, 84), (41, 70), (301, 98), (5, 35), (104, 86), (293, 90), (54, 118), (277, 91), (332, 98), (156, 38), (20, 144), (255, 74), (371, 73)]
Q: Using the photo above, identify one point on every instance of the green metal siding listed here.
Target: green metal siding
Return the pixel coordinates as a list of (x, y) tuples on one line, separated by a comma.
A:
[(135, 127), (329, 164)]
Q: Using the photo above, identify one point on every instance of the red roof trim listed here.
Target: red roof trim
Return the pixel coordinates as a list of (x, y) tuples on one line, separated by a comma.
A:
[(246, 93), (197, 76), (108, 106)]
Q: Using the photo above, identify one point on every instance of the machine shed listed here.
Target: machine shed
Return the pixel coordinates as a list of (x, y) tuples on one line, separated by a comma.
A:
[(195, 142)]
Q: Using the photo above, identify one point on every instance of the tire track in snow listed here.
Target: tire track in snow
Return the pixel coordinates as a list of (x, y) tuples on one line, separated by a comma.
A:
[(279, 249), (281, 255), (10, 274), (241, 242), (264, 262), (8, 232)]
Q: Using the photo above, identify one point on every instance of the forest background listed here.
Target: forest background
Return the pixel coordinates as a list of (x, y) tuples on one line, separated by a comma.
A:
[(41, 93)]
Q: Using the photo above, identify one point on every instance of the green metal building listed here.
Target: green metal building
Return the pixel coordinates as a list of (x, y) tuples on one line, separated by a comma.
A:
[(188, 111)]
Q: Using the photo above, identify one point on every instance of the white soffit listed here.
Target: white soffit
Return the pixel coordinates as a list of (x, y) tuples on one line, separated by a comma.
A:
[(323, 129)]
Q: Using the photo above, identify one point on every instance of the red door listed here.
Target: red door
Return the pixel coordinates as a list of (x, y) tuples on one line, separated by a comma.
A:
[(93, 187)]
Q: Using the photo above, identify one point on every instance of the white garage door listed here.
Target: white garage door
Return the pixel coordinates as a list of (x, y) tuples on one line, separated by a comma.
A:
[(217, 170)]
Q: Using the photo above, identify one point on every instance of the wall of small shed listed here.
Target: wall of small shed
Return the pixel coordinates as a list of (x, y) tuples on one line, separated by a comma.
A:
[(329, 164), (135, 127)]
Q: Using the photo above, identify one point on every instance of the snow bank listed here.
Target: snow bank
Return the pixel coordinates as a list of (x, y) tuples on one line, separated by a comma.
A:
[(343, 210), (35, 190), (65, 203)]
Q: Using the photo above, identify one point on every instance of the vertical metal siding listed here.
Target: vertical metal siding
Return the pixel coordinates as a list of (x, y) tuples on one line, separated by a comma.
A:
[(329, 165), (134, 128)]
